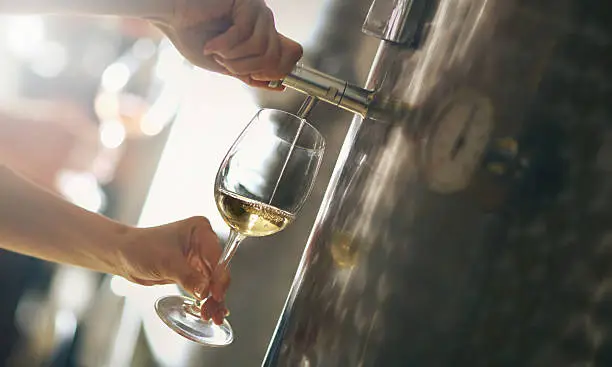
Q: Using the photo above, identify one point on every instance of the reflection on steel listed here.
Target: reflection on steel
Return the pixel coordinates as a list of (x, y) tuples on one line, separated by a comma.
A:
[(309, 103), (397, 21), (473, 230)]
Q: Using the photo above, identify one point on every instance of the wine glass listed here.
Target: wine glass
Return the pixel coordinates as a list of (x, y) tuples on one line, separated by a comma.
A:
[(262, 184)]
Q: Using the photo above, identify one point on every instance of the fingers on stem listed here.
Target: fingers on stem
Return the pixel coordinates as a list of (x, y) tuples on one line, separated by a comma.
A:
[(214, 310)]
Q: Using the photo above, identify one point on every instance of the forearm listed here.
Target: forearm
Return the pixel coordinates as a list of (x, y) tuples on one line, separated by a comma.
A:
[(39, 224), (124, 8)]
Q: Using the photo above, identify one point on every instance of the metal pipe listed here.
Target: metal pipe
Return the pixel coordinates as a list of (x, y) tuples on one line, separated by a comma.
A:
[(274, 350)]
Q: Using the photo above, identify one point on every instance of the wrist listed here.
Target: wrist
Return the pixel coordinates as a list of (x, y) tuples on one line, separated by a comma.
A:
[(116, 256)]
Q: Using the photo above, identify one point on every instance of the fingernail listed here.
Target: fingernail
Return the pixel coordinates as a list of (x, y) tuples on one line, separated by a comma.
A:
[(209, 267), (227, 312), (200, 291), (218, 60)]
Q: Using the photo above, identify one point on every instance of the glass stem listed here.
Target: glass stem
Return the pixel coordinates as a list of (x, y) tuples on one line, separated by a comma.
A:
[(233, 241)]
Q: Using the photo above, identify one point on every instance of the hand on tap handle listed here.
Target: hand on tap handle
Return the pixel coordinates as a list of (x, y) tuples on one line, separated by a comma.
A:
[(236, 38), (232, 37)]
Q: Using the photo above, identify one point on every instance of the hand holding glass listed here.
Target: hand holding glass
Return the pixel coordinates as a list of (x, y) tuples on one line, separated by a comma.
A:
[(262, 184)]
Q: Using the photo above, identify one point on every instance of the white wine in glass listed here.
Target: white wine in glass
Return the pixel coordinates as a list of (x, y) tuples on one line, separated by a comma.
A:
[(250, 217), (262, 184)]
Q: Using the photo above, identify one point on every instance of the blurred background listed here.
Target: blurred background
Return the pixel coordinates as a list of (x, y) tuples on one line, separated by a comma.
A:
[(107, 114)]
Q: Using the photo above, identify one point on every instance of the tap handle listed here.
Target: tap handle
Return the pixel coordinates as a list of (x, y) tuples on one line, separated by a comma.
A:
[(327, 88), (314, 83)]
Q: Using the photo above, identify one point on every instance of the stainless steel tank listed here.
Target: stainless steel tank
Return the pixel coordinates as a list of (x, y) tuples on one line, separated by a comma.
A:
[(472, 225)]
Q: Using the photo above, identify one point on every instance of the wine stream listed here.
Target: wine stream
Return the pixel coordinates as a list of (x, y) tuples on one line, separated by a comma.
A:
[(303, 113)]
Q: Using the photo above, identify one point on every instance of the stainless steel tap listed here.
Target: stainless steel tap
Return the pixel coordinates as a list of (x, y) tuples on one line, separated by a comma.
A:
[(328, 88), (400, 22)]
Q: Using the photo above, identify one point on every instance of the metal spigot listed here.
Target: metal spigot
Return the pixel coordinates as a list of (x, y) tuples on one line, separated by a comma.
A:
[(328, 88), (393, 21)]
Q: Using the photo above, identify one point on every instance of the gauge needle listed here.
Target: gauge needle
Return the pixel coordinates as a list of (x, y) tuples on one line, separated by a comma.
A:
[(461, 140)]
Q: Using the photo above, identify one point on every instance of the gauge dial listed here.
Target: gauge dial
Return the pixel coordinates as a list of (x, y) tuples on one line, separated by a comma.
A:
[(457, 141)]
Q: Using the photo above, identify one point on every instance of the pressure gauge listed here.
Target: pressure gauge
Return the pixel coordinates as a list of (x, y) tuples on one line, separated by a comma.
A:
[(457, 140)]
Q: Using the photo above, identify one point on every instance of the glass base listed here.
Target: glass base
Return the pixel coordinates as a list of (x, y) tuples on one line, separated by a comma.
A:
[(181, 315)]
